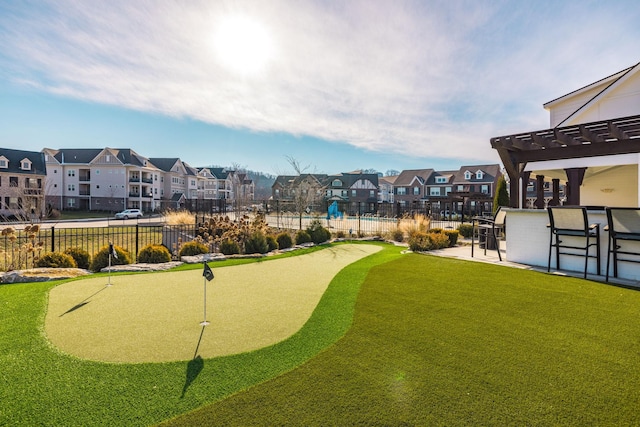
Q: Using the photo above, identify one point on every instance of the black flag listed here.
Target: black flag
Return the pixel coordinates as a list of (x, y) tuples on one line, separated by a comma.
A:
[(207, 273), (112, 251)]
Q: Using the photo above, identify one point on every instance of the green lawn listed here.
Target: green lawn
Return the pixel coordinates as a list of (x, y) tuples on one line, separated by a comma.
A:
[(434, 341), (447, 342)]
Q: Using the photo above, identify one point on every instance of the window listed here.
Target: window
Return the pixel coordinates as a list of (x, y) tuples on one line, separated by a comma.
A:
[(441, 179), (484, 189), (372, 193), (25, 165), (13, 181), (277, 192), (71, 203), (71, 172), (354, 193), (447, 190), (460, 188), (401, 191), (467, 175), (4, 163), (71, 187), (416, 191), (344, 193), (479, 175), (97, 171), (434, 191), (336, 183)]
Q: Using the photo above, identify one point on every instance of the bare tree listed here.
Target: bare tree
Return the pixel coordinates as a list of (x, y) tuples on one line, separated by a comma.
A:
[(392, 172), (306, 189)]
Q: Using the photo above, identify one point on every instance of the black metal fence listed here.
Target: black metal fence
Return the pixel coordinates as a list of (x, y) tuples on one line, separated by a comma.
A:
[(20, 249)]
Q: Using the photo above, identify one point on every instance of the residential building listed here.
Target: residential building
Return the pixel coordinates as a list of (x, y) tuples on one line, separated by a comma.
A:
[(108, 179), (359, 190), (22, 183), (409, 188), (385, 189)]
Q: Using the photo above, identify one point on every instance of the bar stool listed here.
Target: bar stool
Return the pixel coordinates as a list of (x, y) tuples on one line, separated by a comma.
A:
[(623, 225), (571, 223), (481, 227)]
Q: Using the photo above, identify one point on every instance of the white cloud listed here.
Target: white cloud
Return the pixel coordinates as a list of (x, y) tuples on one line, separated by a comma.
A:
[(427, 78)]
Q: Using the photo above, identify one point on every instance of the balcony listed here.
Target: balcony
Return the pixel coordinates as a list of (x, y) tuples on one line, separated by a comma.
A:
[(147, 180), (134, 179)]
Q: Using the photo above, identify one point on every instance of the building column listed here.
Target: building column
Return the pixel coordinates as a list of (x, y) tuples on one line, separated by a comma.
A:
[(575, 176), (555, 199), (524, 176), (539, 203)]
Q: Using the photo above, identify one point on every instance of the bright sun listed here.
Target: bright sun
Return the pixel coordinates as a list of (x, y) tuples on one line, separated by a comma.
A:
[(243, 45)]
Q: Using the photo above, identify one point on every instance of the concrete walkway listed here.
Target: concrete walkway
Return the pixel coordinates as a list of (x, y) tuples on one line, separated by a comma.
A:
[(463, 251)]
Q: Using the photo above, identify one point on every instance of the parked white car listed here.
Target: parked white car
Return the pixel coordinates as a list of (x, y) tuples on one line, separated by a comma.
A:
[(129, 213)]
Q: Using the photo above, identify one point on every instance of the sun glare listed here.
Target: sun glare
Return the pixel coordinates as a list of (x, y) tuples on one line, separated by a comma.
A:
[(243, 45)]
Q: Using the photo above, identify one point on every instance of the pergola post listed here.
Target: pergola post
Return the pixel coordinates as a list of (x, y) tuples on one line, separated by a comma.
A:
[(575, 176), (539, 203)]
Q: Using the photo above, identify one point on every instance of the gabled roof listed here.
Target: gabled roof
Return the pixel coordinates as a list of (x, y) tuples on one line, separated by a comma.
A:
[(389, 180), (15, 157), (490, 172), (177, 197), (449, 175), (350, 178), (218, 173), (77, 155), (608, 85), (164, 163), (408, 176)]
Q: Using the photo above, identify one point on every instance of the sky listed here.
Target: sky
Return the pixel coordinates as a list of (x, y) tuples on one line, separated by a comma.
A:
[(333, 86)]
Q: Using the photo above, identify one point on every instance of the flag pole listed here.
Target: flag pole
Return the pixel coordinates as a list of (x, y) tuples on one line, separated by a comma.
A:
[(204, 322), (109, 281), (207, 275)]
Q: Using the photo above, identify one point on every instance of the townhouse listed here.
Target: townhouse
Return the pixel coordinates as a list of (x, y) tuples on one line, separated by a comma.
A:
[(22, 183)]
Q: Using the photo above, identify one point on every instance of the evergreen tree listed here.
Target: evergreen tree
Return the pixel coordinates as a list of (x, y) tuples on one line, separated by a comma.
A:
[(501, 198)]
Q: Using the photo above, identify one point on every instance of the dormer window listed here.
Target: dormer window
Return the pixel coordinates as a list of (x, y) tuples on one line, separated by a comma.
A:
[(467, 175), (336, 183), (25, 164), (441, 180), (4, 162), (479, 174)]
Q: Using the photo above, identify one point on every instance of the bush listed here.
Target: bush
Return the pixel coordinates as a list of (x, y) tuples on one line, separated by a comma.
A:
[(453, 237), (80, 256), (229, 247), (193, 248), (154, 254), (302, 237), (466, 230), (256, 243), (419, 241), (284, 240), (397, 235), (272, 243), (101, 259), (317, 232), (340, 234), (439, 240), (56, 260)]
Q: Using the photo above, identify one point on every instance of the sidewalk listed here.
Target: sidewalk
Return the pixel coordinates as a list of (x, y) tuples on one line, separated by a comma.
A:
[(463, 251)]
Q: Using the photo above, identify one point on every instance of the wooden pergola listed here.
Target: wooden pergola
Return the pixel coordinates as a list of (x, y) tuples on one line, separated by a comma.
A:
[(602, 138)]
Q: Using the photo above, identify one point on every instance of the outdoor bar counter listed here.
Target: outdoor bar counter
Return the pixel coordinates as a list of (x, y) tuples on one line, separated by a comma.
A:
[(527, 242)]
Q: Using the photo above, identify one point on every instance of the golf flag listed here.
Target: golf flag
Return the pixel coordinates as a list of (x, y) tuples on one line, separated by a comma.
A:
[(112, 251), (207, 273)]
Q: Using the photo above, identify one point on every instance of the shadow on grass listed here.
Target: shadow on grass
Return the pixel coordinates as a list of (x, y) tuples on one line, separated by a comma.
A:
[(194, 367), (82, 303)]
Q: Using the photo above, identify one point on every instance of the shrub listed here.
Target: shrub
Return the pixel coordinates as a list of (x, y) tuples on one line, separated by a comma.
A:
[(284, 240), (439, 240), (272, 243), (256, 243), (302, 237), (397, 235), (419, 241), (466, 230), (193, 248), (317, 232), (453, 237), (154, 254), (56, 260), (80, 256), (340, 234), (101, 259), (229, 247)]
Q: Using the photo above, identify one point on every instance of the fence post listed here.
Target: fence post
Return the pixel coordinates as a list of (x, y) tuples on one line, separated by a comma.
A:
[(137, 240), (53, 240)]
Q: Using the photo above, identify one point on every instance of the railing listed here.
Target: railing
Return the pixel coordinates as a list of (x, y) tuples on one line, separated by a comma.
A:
[(19, 250)]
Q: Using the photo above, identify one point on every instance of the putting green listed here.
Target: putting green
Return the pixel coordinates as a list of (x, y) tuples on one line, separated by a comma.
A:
[(156, 317)]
